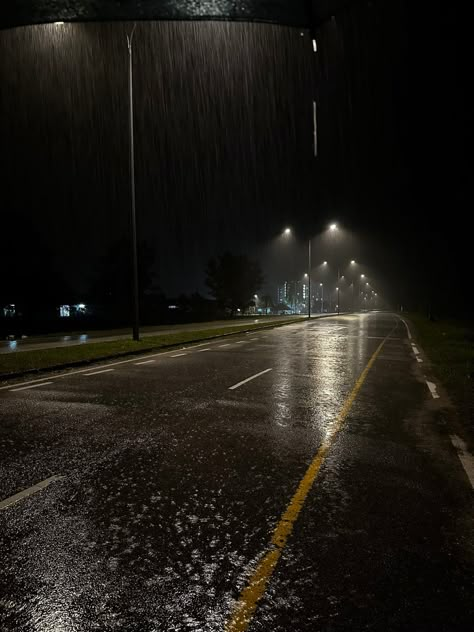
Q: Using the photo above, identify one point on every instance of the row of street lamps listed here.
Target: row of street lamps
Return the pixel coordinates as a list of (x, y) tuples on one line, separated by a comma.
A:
[(332, 228)]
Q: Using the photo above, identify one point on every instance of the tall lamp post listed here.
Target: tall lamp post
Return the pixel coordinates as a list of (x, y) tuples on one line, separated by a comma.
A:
[(133, 220), (333, 228), (309, 278), (362, 276), (287, 231), (322, 297)]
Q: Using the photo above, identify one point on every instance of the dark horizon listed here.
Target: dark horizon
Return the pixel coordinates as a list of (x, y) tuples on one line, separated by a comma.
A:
[(224, 149)]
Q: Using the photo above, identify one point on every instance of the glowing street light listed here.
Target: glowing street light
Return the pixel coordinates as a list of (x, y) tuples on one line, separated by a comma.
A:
[(333, 227), (352, 262), (287, 231)]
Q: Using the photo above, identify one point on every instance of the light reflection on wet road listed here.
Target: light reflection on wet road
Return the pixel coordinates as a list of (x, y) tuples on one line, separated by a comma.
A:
[(174, 484)]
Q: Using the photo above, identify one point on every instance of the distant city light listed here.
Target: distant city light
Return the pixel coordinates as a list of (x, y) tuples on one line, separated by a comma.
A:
[(81, 306), (362, 276), (9, 311), (58, 23), (64, 311)]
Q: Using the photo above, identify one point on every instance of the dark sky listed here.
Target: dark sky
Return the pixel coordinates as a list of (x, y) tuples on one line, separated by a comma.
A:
[(224, 147)]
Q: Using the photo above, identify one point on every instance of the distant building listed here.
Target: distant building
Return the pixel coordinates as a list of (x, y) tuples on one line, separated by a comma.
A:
[(295, 295)]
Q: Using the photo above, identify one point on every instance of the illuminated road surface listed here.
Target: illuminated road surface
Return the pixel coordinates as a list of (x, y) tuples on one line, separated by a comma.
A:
[(167, 490)]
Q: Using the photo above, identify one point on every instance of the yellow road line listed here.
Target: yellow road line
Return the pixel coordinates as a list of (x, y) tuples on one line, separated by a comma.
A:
[(255, 589)]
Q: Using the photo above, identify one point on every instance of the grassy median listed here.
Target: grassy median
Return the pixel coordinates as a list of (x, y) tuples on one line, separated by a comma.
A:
[(42, 359), (450, 347)]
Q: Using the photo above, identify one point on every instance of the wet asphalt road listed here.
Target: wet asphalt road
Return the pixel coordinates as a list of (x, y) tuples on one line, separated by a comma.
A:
[(174, 484)]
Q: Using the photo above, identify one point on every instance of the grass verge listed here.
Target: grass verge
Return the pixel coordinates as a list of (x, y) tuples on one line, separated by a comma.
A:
[(450, 347), (24, 362)]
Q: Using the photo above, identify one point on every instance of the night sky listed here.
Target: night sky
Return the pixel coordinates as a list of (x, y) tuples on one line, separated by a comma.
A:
[(224, 149)]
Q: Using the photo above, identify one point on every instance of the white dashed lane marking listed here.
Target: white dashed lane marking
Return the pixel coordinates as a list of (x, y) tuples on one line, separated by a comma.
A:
[(467, 460), (433, 389), (252, 377)]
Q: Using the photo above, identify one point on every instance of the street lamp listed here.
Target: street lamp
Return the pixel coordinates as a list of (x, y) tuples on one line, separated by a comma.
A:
[(287, 231), (133, 220), (333, 227), (362, 276)]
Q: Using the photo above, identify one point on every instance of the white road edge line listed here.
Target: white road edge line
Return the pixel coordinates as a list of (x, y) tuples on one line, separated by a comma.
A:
[(202, 350), (432, 386), (408, 328), (178, 355), (144, 362), (467, 460), (97, 372), (226, 345), (24, 388), (29, 492), (415, 349), (232, 388)]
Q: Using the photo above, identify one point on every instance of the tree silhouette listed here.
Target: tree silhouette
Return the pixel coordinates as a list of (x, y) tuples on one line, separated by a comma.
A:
[(233, 280)]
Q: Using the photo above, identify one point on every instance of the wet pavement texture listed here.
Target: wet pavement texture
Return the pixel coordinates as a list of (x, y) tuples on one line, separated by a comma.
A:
[(174, 484)]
